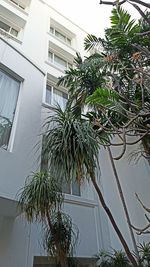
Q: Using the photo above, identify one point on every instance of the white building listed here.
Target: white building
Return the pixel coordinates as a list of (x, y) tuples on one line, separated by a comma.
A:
[(37, 44)]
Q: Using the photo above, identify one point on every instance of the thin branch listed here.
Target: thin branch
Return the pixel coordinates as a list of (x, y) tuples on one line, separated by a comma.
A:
[(140, 11), (141, 230), (112, 3), (144, 207), (116, 3), (143, 33), (141, 3), (124, 146)]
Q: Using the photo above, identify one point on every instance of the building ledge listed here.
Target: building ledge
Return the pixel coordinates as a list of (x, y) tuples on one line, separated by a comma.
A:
[(9, 208), (23, 55), (9, 36), (79, 200)]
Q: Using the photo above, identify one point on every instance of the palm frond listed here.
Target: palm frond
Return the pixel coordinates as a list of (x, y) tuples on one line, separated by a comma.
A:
[(40, 194), (71, 144)]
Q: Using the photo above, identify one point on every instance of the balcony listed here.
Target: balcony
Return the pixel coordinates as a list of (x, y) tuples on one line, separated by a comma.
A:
[(62, 37), (12, 10), (12, 21)]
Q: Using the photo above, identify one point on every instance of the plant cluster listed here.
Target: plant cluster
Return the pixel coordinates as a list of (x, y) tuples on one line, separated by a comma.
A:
[(119, 259)]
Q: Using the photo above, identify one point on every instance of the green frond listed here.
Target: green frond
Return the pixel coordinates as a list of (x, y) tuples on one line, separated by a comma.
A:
[(91, 41), (103, 96), (71, 144), (41, 193)]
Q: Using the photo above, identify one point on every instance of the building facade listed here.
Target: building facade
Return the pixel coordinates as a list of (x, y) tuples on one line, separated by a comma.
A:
[(37, 44)]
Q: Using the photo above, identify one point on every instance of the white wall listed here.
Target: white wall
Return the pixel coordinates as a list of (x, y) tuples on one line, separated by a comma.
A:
[(134, 178)]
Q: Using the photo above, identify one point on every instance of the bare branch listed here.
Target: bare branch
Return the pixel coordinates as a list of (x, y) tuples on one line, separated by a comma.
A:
[(112, 3), (116, 3), (141, 230), (140, 11), (143, 33), (141, 3), (144, 207), (124, 146)]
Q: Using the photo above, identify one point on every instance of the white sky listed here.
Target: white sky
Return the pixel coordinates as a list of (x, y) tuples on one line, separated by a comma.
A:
[(88, 14)]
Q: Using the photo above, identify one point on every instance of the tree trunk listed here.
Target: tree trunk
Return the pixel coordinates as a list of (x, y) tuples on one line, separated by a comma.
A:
[(61, 255), (123, 202), (112, 220)]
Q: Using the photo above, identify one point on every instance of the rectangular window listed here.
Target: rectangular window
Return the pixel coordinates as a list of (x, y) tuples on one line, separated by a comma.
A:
[(61, 63), (72, 187), (8, 28), (9, 90), (17, 3), (58, 61), (55, 96), (61, 36)]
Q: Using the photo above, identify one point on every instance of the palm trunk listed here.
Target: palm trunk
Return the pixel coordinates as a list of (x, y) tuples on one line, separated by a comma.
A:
[(123, 203), (112, 220), (61, 255)]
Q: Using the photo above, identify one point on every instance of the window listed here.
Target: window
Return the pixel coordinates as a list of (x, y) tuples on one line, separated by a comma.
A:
[(61, 36), (54, 96), (58, 61), (17, 3), (9, 90), (72, 187), (8, 28)]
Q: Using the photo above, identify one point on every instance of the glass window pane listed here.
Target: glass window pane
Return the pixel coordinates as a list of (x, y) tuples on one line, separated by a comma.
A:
[(66, 188), (52, 30), (48, 99), (60, 36), (75, 188), (60, 98), (61, 63), (50, 56), (4, 26), (68, 41), (9, 90), (14, 32)]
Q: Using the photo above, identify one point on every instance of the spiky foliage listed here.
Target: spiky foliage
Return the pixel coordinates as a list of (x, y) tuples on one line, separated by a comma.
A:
[(120, 67), (115, 259), (71, 145), (144, 250), (41, 194), (41, 200)]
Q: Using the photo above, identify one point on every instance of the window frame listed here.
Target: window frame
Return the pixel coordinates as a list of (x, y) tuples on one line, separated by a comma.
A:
[(53, 86), (52, 60), (11, 27), (20, 80), (16, 3), (44, 165), (66, 37)]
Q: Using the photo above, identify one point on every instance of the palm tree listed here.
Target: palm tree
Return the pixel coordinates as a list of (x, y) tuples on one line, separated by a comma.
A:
[(41, 200), (73, 147), (107, 81)]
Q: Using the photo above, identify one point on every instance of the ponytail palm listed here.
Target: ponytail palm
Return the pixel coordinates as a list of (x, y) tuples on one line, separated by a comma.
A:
[(41, 200), (73, 147)]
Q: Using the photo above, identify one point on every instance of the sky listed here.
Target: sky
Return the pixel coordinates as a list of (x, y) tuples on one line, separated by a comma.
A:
[(88, 14)]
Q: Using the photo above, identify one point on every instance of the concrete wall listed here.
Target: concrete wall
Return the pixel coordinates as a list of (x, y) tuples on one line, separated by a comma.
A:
[(21, 158), (134, 178), (25, 240)]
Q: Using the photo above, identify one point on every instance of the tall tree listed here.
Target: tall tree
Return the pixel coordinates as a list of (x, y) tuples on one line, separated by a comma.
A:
[(115, 82), (73, 148)]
